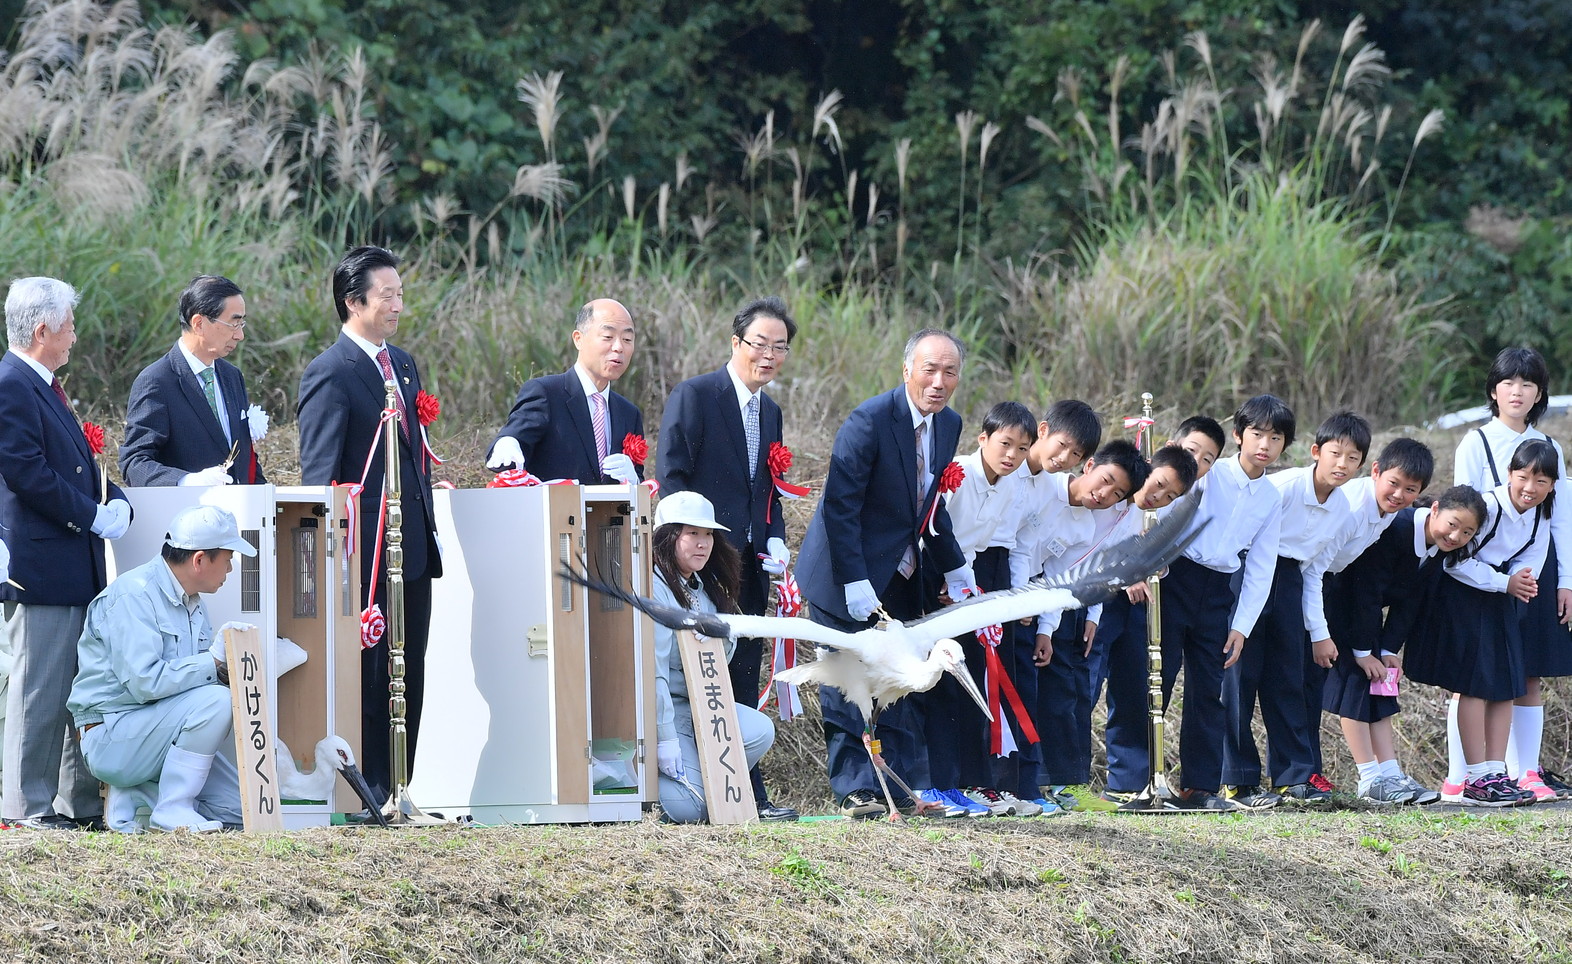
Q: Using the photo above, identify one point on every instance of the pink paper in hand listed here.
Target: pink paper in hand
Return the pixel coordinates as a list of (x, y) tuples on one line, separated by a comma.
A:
[(1388, 686)]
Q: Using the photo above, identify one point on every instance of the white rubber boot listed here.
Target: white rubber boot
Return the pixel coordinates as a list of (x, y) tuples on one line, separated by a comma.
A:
[(184, 775), (123, 802)]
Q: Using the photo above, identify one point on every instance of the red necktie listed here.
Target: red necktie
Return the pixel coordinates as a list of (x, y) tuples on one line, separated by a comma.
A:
[(60, 391), (387, 375)]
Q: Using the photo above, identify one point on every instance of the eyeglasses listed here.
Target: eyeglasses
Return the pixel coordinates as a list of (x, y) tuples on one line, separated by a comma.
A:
[(231, 325), (777, 350)]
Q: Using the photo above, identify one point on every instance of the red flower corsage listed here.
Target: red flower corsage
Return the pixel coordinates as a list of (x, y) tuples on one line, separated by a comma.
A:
[(949, 480), (95, 437), (778, 461), (427, 407), (635, 448)]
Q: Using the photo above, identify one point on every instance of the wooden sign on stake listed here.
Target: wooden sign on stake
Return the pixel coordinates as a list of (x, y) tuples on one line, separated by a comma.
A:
[(254, 742), (728, 792)]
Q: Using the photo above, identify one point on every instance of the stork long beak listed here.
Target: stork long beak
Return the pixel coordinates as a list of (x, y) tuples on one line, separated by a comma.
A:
[(357, 782), (960, 673)]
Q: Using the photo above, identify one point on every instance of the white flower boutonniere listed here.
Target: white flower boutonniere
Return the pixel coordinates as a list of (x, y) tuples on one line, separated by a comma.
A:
[(257, 420)]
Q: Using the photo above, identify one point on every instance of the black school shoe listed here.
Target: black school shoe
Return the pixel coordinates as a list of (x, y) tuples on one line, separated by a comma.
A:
[(770, 813), (1202, 800), (862, 805), (1305, 793), (1557, 783)]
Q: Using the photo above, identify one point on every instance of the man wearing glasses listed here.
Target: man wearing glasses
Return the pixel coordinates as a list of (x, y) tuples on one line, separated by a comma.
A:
[(715, 439), (186, 421)]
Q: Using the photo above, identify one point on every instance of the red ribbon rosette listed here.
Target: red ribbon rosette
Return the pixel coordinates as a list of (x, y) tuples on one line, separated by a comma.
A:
[(512, 478), (95, 437), (635, 448), (788, 602), (778, 461), (372, 626), (949, 480), (427, 407)]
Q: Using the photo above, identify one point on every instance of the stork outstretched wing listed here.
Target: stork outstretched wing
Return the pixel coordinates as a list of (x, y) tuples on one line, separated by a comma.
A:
[(1093, 580), (719, 625)]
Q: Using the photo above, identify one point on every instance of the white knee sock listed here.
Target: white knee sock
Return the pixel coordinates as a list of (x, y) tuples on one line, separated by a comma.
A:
[(1367, 774), (1456, 765), (1528, 728)]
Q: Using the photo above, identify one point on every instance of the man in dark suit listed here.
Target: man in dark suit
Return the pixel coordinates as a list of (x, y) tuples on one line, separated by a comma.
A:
[(715, 438), (51, 517), (189, 408), (865, 549), (572, 425), (340, 412)]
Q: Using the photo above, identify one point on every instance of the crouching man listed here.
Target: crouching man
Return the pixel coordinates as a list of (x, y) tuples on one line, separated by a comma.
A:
[(151, 696)]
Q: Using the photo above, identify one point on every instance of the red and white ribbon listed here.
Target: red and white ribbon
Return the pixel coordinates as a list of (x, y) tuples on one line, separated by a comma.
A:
[(1140, 423), (372, 626), (1001, 691), (788, 602)]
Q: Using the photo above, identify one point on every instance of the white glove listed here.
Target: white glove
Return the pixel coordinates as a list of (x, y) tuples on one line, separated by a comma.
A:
[(5, 562), (504, 453), (960, 583), (111, 521), (777, 557), (217, 649), (213, 475), (668, 759), (861, 600), (621, 468)]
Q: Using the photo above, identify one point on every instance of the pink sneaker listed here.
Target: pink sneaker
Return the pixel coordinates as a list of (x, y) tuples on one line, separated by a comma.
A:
[(1532, 782), (1451, 792)]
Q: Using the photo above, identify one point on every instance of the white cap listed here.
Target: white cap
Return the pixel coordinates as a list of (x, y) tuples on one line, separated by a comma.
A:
[(206, 527), (689, 509)]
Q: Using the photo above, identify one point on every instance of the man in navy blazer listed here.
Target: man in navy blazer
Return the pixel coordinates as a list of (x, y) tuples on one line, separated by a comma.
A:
[(705, 447), (865, 549), (552, 430), (340, 412), (188, 409), (53, 521)]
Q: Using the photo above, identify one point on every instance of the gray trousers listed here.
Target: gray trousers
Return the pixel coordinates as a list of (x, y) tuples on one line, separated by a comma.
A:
[(129, 747), (684, 802), (44, 769)]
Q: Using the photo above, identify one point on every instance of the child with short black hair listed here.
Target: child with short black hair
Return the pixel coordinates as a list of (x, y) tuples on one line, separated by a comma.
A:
[(1279, 665), (1205, 622), (1121, 636), (1399, 573), (1517, 389), (981, 512), (1474, 644), (1398, 475), (1064, 641), (1069, 431)]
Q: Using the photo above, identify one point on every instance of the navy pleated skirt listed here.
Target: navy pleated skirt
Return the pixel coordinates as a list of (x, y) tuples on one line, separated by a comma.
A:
[(1472, 644)]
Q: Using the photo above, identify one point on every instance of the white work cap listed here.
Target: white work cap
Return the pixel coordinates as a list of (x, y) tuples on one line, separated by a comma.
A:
[(206, 527), (688, 509)]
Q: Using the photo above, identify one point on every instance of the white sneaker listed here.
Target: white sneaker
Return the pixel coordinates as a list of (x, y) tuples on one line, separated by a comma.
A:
[(1022, 808), (992, 799)]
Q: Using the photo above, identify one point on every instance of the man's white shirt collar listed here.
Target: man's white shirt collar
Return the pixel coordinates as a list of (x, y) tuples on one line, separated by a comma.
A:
[(197, 368), (918, 418), (37, 366), (371, 350), (743, 395), (1421, 519), (589, 386)]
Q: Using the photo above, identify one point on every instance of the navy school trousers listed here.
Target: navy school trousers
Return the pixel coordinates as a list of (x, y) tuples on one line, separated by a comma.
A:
[(1064, 705), (1197, 604), (900, 726), (1121, 638), (956, 728), (1271, 671)]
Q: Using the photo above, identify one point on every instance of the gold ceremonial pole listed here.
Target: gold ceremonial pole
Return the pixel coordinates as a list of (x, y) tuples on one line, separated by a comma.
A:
[(1154, 797), (399, 810)]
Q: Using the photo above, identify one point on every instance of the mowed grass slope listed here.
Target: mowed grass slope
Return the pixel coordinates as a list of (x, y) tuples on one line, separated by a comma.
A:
[(1346, 886)]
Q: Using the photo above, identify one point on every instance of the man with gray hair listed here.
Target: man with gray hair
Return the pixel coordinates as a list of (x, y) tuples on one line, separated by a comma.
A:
[(879, 543), (51, 516), (572, 425), (187, 422)]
